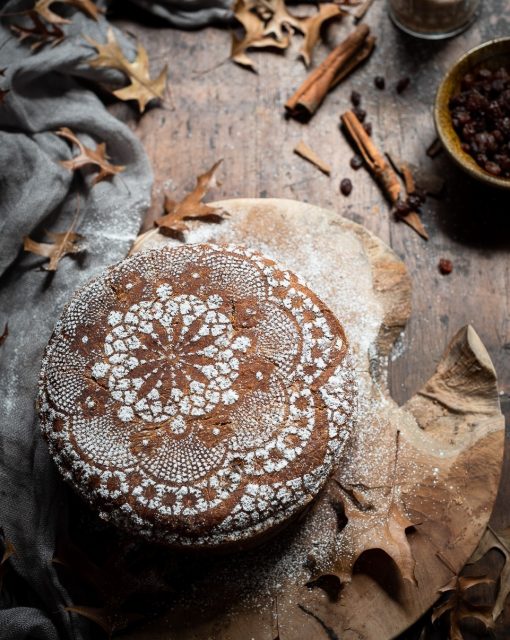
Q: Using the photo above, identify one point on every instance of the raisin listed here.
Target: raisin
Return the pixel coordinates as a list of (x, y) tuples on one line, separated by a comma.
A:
[(402, 208), (414, 201), (493, 168), (445, 266), (356, 162), (361, 114), (356, 98), (346, 187), (380, 83), (402, 84), (368, 128)]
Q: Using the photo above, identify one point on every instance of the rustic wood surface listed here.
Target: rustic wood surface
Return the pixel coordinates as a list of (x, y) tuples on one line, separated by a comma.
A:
[(217, 110)]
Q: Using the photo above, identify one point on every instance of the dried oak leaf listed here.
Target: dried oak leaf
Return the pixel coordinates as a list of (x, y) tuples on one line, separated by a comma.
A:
[(62, 244), (43, 9), (9, 549), (110, 619), (41, 32), (96, 157), (255, 36), (269, 25), (499, 540), (191, 206), (142, 88), (281, 21), (4, 335), (312, 26), (3, 92), (370, 528), (459, 608)]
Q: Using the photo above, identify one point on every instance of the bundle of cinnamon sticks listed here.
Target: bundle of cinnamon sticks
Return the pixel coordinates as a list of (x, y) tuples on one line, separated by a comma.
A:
[(344, 58)]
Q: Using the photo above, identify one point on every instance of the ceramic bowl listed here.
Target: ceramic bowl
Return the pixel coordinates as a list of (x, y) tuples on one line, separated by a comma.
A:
[(492, 54)]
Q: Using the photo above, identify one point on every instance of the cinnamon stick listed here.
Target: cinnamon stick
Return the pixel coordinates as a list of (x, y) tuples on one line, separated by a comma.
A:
[(307, 99), (359, 57), (379, 168)]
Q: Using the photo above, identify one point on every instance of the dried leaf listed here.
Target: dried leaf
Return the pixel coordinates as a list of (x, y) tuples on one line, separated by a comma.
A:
[(191, 206), (96, 157), (255, 36), (62, 244), (109, 619), (499, 540), (3, 92), (309, 154), (312, 26), (40, 32), (281, 21), (43, 9), (459, 607), (176, 213), (9, 549), (142, 88), (269, 25), (4, 335)]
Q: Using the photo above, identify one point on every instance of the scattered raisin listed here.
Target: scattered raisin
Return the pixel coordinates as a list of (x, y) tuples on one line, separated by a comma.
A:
[(356, 98), (361, 114), (414, 201), (402, 84), (346, 187), (445, 266), (380, 83), (402, 208), (356, 162)]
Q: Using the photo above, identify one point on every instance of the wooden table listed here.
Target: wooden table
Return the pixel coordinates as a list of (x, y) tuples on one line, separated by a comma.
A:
[(219, 110)]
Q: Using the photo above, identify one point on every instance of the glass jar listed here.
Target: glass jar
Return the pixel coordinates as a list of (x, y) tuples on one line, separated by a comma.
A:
[(433, 19)]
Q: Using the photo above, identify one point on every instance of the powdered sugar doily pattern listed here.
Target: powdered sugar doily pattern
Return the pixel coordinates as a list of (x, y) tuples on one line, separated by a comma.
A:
[(197, 395)]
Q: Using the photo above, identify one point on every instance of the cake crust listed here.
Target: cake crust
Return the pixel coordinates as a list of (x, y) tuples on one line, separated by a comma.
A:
[(198, 396)]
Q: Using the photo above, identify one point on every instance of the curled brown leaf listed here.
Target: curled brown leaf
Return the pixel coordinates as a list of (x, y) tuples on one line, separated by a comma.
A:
[(96, 157), (141, 88), (44, 10), (62, 244)]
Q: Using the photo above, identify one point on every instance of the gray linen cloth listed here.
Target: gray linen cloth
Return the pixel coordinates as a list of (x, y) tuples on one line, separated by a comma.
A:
[(37, 194)]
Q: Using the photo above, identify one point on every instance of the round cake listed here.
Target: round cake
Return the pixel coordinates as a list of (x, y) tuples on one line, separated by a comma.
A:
[(198, 396)]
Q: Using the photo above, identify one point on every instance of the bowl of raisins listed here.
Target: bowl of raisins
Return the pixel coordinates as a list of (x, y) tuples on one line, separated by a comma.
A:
[(472, 112)]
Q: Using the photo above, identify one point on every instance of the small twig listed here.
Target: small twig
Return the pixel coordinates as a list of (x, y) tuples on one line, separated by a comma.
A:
[(361, 10)]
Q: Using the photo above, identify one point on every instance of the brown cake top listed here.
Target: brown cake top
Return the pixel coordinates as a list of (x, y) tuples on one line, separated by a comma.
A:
[(198, 395)]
